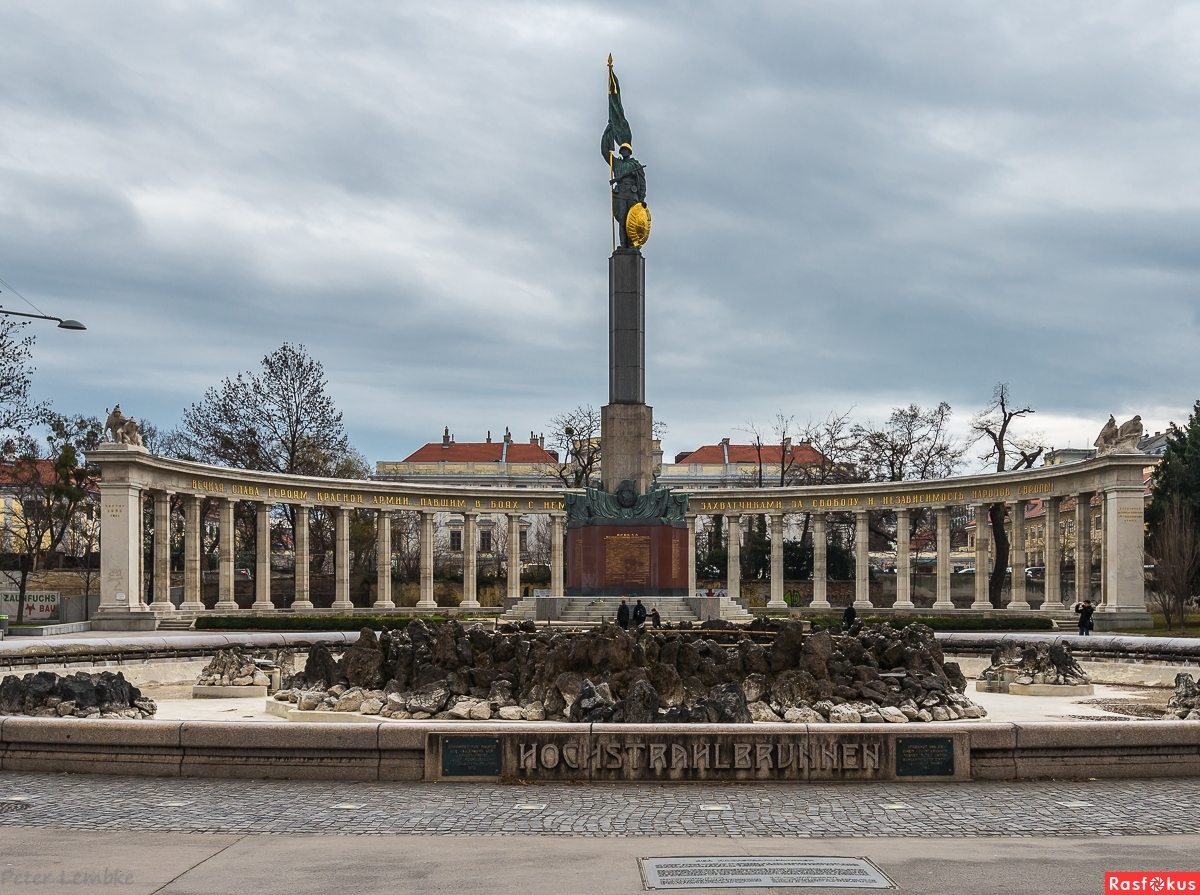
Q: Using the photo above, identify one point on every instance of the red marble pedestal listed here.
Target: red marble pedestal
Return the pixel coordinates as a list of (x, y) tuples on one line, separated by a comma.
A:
[(607, 557)]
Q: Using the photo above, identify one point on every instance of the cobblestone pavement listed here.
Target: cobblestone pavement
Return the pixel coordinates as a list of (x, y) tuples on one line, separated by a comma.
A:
[(1033, 809)]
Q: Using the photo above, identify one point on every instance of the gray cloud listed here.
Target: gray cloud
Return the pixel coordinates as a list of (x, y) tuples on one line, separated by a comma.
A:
[(855, 204)]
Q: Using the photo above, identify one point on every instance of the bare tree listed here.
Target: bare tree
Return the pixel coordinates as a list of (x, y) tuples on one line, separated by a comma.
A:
[(1175, 549), (914, 443), (17, 413), (576, 437), (993, 427)]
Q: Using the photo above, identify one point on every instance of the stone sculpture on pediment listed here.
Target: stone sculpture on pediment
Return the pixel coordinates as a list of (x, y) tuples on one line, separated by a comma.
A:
[(1123, 439)]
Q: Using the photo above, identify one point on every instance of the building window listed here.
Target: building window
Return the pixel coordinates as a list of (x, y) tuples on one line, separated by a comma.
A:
[(455, 541), (485, 542), (524, 540)]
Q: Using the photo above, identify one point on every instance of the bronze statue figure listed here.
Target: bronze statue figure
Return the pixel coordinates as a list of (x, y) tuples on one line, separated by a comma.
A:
[(627, 176)]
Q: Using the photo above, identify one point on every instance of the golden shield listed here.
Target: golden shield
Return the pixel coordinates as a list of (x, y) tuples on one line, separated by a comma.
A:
[(637, 224)]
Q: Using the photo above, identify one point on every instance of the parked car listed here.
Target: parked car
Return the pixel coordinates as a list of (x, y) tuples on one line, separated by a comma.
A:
[(969, 570), (1035, 573), (238, 575)]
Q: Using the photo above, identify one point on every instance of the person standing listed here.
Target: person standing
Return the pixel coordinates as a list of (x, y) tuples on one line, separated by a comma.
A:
[(1085, 610), (623, 615), (639, 614), (655, 618), (849, 617)]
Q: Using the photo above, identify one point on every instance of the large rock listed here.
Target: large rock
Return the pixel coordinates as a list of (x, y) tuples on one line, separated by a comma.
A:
[(815, 655), (321, 667), (362, 663), (641, 705), (789, 642), (587, 702), (760, 711), (727, 704), (430, 698), (12, 695), (667, 683), (792, 688)]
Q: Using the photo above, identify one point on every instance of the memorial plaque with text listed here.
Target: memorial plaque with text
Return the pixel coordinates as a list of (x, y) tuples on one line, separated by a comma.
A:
[(627, 559), (925, 757), (470, 756)]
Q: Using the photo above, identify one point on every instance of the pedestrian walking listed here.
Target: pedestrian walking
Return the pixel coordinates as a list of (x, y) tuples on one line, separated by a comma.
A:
[(1085, 610), (639, 614), (623, 615)]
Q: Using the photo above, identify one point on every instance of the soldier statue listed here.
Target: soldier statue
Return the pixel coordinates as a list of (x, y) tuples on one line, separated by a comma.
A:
[(627, 176)]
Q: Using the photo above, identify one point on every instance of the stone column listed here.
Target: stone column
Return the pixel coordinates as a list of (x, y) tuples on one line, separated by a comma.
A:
[(225, 592), (262, 560), (862, 562), (426, 600), (341, 561), (1123, 545), (470, 542), (1019, 600), (383, 560), (777, 601), (981, 558), (162, 553), (302, 601), (556, 555), (1053, 556), (192, 548), (514, 556), (903, 560), (120, 547), (1083, 546), (820, 573), (691, 554), (1104, 523), (733, 564), (942, 517)]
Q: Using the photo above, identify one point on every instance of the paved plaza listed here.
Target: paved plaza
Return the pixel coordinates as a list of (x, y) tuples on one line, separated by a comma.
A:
[(76, 833)]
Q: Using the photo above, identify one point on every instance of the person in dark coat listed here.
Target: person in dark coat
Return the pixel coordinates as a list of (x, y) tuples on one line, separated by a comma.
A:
[(1085, 610), (655, 618), (639, 614), (623, 615), (849, 617)]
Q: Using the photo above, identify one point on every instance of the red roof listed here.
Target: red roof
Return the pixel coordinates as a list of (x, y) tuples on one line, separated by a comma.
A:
[(8, 471), (803, 454), (480, 452)]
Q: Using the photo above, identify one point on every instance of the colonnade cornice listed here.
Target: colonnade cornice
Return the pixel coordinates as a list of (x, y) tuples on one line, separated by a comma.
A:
[(141, 469)]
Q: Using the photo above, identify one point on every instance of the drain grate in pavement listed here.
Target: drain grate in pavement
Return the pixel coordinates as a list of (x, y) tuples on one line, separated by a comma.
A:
[(762, 872), (8, 807)]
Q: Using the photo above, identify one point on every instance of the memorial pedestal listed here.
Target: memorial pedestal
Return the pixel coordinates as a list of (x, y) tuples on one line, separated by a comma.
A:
[(614, 556)]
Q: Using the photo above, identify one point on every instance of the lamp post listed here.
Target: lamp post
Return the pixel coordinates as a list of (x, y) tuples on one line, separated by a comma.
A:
[(62, 324)]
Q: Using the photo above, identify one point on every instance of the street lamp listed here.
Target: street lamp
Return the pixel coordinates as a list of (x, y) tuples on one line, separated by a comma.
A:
[(62, 324)]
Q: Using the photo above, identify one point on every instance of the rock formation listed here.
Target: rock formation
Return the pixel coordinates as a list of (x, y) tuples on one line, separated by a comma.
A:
[(1185, 703), (238, 667), (1034, 663), (44, 694), (606, 674)]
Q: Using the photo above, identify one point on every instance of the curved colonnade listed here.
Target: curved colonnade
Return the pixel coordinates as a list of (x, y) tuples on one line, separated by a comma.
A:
[(128, 472)]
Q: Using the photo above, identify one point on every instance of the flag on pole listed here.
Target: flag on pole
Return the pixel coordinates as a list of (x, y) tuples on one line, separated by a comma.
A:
[(617, 131)]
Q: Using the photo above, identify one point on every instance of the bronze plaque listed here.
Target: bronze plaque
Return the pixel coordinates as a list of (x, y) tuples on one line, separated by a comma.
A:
[(925, 757), (627, 559)]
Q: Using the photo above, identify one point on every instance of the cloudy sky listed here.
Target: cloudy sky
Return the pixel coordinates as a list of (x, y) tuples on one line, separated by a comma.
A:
[(855, 205)]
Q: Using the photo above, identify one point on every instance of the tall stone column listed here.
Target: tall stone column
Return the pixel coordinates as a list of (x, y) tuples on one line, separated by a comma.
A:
[(626, 423), (1053, 556), (383, 560), (691, 554), (1083, 546), (556, 555), (1122, 562), (733, 555), (303, 597), (470, 546), (862, 562), (942, 599), (120, 547), (162, 553), (262, 559), (426, 600), (903, 560), (777, 601), (341, 561), (514, 556), (1104, 523), (981, 558), (820, 596), (225, 591), (1019, 600), (192, 548)]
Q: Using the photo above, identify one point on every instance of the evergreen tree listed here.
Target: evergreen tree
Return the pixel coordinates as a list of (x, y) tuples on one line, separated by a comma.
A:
[(1178, 475)]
